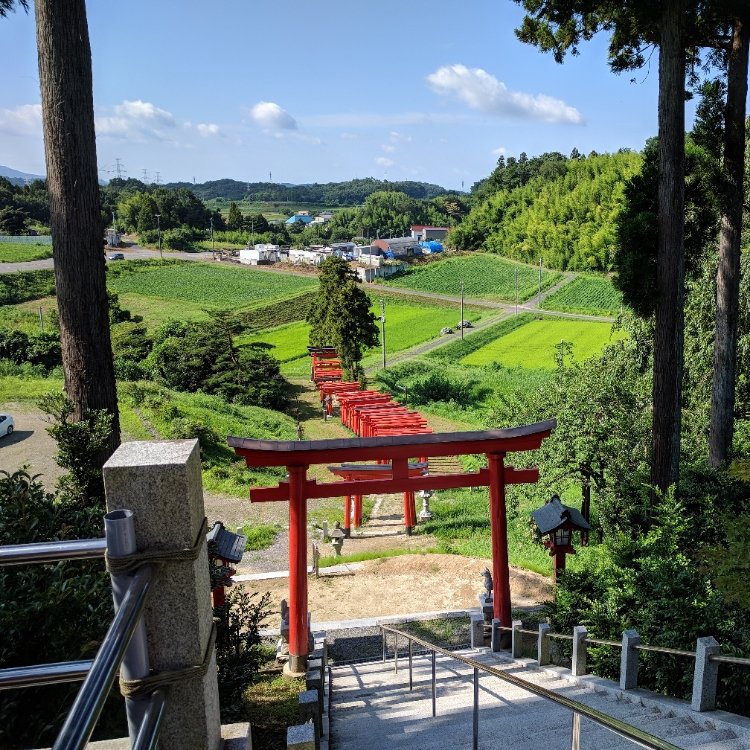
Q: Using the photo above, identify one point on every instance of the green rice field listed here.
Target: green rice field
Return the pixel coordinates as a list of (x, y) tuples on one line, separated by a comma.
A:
[(408, 324), (484, 277), (592, 295), (18, 252), (536, 344), (206, 285)]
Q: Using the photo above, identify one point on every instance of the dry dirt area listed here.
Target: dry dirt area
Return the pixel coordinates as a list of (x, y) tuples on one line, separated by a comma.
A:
[(403, 585), (30, 445), (407, 584)]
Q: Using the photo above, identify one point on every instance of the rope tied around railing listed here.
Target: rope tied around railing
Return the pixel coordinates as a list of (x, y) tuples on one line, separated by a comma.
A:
[(131, 563), (146, 685)]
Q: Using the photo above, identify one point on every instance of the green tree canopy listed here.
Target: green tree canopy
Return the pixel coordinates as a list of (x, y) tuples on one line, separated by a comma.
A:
[(341, 316)]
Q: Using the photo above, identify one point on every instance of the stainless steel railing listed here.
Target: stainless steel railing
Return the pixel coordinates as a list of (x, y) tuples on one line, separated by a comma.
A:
[(123, 648), (620, 728)]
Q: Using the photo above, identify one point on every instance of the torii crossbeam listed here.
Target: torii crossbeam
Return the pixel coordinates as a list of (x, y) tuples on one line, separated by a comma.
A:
[(298, 455)]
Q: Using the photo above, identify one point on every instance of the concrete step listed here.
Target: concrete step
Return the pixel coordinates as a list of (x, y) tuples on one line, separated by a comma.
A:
[(372, 708)]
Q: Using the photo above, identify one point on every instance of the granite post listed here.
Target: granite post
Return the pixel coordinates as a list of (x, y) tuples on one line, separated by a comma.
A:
[(578, 667), (160, 482), (516, 642), (706, 674), (629, 660), (542, 644)]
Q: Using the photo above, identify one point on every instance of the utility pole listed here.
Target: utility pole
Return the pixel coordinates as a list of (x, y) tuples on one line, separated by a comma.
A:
[(114, 222), (41, 320), (462, 310), (540, 277), (382, 327), (157, 177), (213, 244), (118, 168), (158, 229), (516, 291)]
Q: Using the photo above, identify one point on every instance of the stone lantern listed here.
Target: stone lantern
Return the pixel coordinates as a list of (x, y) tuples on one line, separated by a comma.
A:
[(558, 521)]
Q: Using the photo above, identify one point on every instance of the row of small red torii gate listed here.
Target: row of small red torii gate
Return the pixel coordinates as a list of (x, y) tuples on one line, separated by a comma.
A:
[(391, 436)]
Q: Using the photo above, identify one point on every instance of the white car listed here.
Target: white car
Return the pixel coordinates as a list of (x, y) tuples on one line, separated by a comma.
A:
[(6, 424)]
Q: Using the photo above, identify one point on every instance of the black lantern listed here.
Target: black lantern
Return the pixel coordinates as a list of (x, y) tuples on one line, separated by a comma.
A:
[(558, 521)]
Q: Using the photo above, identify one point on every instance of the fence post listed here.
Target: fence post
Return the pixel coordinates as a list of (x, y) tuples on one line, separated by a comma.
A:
[(516, 639), (629, 660), (578, 667), (161, 483), (542, 644), (706, 674)]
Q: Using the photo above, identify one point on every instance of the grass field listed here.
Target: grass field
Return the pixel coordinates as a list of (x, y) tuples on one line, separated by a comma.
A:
[(592, 295), (17, 252), (190, 290), (484, 276), (408, 323), (536, 344)]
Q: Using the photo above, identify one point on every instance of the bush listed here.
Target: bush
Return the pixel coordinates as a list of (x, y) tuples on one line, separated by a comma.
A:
[(183, 238), (239, 652), (49, 613)]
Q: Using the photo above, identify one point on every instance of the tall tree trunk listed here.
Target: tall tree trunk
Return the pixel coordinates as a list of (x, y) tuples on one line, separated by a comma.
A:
[(668, 336), (70, 152), (728, 272)]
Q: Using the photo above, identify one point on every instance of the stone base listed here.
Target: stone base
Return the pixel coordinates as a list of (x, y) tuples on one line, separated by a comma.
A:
[(295, 667)]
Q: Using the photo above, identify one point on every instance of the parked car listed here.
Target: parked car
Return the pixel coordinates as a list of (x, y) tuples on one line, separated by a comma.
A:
[(465, 324), (6, 424), (445, 330), (116, 256)]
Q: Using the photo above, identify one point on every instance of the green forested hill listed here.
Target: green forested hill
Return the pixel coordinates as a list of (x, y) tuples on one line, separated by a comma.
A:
[(564, 214), (350, 193)]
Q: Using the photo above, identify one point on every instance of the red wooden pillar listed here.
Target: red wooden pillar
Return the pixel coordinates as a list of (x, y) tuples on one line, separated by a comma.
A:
[(499, 527), (357, 511), (348, 515), (298, 630), (410, 515)]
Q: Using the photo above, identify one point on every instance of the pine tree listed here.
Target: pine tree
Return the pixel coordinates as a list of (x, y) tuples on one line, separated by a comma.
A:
[(340, 315)]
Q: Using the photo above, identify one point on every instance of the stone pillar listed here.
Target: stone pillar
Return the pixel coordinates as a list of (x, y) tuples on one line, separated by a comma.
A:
[(578, 667), (629, 660), (161, 483), (516, 634), (706, 674), (477, 631), (542, 644)]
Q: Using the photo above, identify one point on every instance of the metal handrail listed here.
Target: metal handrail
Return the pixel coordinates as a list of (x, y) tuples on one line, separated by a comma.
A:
[(631, 733), (130, 597), (89, 702), (42, 552), (44, 674)]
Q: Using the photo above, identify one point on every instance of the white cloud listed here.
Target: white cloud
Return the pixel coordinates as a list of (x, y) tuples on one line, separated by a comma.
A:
[(499, 151), (388, 148), (136, 121), (348, 137), (22, 120), (481, 91), (399, 137), (270, 116), (383, 161), (206, 129)]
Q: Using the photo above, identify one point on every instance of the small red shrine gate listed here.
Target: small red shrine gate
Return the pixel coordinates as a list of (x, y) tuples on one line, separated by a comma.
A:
[(297, 456)]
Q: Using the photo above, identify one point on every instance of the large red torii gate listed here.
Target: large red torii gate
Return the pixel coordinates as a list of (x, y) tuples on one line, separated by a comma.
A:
[(298, 456)]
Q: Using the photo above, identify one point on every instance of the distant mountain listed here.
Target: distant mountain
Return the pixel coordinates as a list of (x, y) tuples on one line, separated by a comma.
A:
[(16, 177), (350, 193)]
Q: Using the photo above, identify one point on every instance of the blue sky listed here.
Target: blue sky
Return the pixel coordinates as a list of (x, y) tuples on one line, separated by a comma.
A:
[(326, 91)]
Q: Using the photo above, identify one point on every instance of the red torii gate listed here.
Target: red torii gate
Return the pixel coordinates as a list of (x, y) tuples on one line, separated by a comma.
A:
[(298, 456), (351, 472)]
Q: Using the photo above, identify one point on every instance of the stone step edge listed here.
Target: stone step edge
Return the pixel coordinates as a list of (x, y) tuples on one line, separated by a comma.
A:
[(708, 720)]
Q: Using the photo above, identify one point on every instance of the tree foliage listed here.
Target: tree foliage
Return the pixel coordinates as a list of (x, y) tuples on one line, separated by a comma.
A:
[(203, 357), (341, 316), (560, 210)]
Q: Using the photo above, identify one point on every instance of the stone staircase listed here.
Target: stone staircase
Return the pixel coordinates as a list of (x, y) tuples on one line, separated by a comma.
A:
[(444, 465), (373, 709)]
